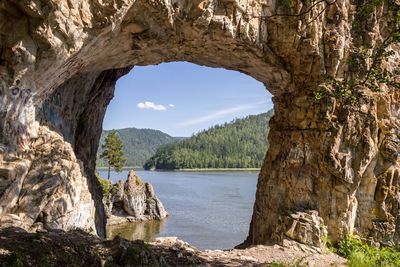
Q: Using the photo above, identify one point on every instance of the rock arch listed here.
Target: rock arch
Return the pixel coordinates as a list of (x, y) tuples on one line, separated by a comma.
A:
[(331, 168)]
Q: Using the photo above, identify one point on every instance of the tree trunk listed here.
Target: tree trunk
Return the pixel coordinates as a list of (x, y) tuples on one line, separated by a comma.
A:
[(109, 169)]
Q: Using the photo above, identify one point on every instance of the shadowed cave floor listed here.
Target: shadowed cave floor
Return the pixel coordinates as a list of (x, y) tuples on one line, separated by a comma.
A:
[(76, 248)]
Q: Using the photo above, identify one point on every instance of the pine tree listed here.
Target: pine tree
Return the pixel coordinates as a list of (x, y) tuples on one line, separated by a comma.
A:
[(113, 152)]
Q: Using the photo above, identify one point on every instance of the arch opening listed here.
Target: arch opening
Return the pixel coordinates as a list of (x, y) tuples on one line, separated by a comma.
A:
[(322, 148), (182, 99)]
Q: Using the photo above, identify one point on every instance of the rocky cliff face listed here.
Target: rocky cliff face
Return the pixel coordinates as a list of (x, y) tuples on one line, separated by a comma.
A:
[(333, 163), (133, 200), (46, 189)]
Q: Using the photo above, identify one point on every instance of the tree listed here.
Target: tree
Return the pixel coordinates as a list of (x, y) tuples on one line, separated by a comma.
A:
[(241, 143), (113, 152)]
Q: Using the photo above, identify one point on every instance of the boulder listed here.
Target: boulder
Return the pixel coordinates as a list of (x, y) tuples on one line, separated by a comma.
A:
[(133, 200)]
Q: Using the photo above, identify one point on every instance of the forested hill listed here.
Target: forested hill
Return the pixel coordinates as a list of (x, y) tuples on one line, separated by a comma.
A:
[(139, 144), (241, 143)]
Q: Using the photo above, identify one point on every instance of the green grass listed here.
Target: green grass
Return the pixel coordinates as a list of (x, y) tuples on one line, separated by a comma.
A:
[(360, 254)]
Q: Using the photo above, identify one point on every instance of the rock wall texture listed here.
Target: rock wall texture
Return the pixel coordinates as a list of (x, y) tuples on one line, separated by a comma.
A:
[(46, 189), (76, 110), (133, 200), (333, 163)]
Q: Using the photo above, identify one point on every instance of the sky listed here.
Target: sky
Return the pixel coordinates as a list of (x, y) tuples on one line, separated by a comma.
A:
[(182, 98)]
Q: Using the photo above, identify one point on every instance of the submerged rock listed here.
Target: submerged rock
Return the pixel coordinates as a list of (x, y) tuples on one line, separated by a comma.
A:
[(133, 200)]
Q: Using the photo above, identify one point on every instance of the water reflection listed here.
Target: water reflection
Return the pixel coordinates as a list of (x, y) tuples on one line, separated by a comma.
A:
[(208, 210), (146, 231)]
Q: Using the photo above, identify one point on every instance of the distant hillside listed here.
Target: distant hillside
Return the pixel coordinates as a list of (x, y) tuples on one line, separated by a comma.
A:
[(241, 143), (139, 144)]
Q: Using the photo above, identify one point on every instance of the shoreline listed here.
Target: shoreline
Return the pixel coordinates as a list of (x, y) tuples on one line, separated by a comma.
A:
[(190, 170), (124, 168), (209, 170)]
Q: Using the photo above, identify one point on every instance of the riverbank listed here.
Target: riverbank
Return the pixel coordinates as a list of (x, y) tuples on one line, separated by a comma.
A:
[(210, 170), (190, 170), (218, 205), (76, 248), (124, 168)]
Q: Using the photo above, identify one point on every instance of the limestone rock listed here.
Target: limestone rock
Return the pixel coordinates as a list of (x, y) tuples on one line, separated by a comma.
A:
[(60, 64), (304, 227), (133, 200), (47, 189)]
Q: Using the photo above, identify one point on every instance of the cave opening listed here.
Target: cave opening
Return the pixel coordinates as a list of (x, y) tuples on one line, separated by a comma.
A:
[(156, 106), (332, 167)]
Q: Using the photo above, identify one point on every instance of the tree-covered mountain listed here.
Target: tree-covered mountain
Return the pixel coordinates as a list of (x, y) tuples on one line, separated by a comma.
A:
[(241, 143), (139, 144)]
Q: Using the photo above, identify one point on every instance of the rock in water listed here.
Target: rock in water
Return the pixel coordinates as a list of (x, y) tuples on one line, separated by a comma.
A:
[(133, 200)]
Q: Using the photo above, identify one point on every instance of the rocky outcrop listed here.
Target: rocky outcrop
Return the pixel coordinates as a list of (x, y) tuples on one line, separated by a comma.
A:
[(46, 188), (334, 151), (133, 200)]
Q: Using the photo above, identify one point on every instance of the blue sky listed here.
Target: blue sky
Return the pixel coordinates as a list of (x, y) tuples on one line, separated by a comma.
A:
[(181, 98)]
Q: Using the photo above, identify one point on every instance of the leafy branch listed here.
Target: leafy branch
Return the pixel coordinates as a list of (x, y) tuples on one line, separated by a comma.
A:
[(287, 3), (362, 74)]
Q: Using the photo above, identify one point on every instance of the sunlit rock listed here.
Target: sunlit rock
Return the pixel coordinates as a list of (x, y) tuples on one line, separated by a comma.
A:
[(133, 200), (337, 155)]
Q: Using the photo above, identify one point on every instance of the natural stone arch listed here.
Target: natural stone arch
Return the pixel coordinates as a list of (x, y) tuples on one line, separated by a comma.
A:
[(322, 169)]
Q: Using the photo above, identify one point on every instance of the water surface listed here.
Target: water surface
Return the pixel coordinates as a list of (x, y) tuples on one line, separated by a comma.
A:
[(210, 210)]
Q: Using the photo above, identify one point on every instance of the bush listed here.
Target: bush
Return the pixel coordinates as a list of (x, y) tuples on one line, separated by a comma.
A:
[(360, 254), (107, 187), (15, 259)]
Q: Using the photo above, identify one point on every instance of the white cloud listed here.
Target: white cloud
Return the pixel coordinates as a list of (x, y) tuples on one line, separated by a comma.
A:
[(219, 114), (171, 105), (151, 105)]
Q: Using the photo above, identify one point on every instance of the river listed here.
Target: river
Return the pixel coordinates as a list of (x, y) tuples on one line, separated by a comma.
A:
[(210, 210)]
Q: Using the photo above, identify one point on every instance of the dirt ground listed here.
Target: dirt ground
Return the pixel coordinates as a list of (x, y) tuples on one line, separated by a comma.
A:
[(76, 248), (291, 253)]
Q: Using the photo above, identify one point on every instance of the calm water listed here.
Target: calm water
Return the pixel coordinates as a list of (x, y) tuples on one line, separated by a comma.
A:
[(210, 210)]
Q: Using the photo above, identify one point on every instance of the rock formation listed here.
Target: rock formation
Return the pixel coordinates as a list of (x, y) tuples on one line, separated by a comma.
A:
[(133, 200), (334, 152), (46, 189)]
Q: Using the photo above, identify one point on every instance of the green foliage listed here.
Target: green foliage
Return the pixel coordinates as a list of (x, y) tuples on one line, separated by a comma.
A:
[(139, 144), (107, 187), (113, 152), (15, 259), (139, 180), (366, 61), (131, 256), (239, 144), (286, 3), (359, 254)]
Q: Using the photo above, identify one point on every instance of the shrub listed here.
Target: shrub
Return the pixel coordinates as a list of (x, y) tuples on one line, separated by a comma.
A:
[(360, 254), (107, 187)]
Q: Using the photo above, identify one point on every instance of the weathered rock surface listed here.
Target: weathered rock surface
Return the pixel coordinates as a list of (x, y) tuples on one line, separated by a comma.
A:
[(47, 189), (133, 200), (328, 157)]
